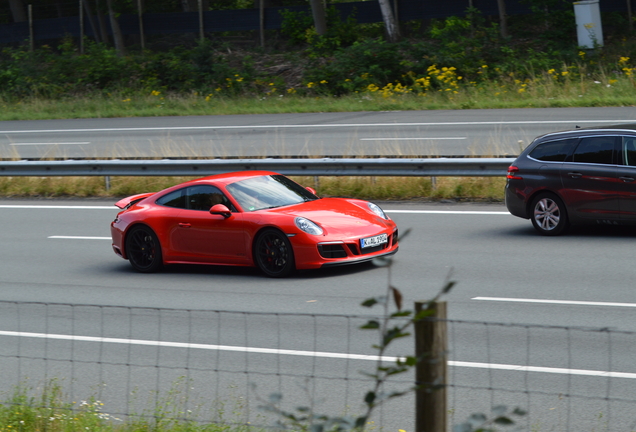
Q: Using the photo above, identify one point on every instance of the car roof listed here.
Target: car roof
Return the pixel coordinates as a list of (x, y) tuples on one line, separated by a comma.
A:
[(231, 177), (625, 127)]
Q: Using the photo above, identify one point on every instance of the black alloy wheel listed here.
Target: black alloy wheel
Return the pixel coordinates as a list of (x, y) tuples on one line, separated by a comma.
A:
[(549, 215), (273, 253), (143, 249)]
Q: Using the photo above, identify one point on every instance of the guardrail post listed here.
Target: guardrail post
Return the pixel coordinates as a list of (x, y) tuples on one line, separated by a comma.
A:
[(431, 346)]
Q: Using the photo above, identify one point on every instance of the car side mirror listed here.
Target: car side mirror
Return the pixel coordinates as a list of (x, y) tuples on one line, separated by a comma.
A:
[(312, 190), (220, 209)]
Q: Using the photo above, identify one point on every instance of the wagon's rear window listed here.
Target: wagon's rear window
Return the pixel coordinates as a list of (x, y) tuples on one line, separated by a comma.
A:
[(553, 151)]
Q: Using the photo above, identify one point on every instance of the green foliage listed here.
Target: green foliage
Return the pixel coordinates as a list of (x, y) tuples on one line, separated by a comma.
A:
[(551, 22), (457, 63), (46, 408), (467, 42), (51, 73), (299, 28), (295, 25), (62, 72), (354, 68)]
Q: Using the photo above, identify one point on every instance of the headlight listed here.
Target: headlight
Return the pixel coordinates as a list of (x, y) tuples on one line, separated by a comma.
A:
[(308, 226), (377, 210)]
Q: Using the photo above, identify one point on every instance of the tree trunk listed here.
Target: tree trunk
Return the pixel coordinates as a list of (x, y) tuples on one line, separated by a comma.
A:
[(392, 29), (189, 5), (17, 10), (91, 18), (102, 23), (320, 20), (114, 25), (503, 20)]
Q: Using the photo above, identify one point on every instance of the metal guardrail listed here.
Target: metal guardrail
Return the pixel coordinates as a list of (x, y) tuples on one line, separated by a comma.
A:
[(398, 167)]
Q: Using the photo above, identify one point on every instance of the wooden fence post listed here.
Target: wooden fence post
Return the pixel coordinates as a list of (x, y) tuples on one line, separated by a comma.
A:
[(431, 346)]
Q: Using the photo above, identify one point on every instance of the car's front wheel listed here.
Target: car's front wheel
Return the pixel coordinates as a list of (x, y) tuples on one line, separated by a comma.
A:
[(273, 253), (143, 249), (549, 216)]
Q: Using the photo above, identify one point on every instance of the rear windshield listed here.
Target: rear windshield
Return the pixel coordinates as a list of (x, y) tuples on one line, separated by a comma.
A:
[(553, 151)]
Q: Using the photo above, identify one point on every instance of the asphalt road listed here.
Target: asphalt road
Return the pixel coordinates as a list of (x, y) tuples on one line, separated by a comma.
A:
[(440, 132), (505, 273)]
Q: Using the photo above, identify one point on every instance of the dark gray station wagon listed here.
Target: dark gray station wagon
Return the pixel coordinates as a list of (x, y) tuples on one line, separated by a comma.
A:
[(575, 177)]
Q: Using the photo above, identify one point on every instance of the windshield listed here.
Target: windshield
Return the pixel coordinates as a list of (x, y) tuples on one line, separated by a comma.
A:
[(268, 192)]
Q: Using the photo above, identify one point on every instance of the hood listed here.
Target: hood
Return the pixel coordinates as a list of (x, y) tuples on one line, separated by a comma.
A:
[(338, 216)]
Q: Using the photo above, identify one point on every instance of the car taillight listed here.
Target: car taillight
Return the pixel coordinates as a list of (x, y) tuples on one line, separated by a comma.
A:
[(512, 173)]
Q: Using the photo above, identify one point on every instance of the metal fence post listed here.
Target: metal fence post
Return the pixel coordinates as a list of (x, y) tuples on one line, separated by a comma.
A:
[(31, 38), (431, 343), (141, 25), (81, 20), (201, 34)]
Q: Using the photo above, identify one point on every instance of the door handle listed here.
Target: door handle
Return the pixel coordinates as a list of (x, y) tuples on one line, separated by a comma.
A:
[(184, 225), (627, 179), (575, 174)]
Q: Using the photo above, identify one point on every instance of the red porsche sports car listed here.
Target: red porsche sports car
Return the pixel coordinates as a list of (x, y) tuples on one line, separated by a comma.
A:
[(251, 218)]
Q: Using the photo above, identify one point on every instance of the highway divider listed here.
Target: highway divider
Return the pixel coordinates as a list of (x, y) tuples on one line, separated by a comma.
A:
[(393, 167)]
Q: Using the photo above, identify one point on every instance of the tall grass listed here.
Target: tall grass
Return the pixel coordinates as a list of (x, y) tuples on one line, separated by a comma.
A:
[(539, 93), (48, 409), (484, 189)]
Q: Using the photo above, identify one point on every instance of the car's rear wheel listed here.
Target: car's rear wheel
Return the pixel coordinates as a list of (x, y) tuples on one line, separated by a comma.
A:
[(273, 253), (549, 216), (143, 249)]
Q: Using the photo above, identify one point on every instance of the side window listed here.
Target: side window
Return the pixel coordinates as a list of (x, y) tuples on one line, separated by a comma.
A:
[(629, 151), (173, 199), (203, 197), (598, 150), (553, 151)]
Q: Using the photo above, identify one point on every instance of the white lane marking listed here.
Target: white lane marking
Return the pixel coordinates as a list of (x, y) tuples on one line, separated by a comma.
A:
[(50, 143), (559, 302), (412, 139), (518, 368), (79, 238), (564, 371), (304, 126), (471, 212), (195, 346), (65, 207)]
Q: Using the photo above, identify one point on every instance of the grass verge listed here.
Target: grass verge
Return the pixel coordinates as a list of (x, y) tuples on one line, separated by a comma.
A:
[(493, 95), (485, 189), (49, 409)]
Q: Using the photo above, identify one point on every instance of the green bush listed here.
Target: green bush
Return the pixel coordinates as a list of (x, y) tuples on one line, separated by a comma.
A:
[(341, 31), (355, 68)]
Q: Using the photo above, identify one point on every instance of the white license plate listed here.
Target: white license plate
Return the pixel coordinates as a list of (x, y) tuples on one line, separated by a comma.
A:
[(373, 241)]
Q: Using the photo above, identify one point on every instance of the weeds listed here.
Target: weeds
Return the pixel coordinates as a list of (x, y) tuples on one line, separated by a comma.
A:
[(47, 408), (485, 189)]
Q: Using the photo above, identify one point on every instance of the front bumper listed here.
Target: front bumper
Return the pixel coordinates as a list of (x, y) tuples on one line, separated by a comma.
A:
[(310, 254), (359, 260)]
